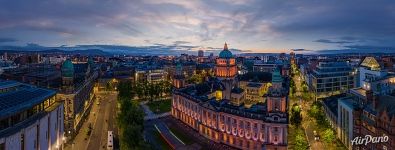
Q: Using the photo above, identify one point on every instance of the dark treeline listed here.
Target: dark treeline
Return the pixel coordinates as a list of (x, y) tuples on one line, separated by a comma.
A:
[(130, 119)]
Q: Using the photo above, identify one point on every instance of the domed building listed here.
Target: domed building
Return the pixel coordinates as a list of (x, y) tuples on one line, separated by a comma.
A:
[(225, 64), (78, 79), (67, 69), (216, 109), (226, 70)]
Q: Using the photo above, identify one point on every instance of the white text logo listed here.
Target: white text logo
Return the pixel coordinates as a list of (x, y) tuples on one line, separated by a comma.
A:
[(369, 139)]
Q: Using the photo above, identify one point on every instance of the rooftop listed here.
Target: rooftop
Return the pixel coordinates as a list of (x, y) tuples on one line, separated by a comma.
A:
[(251, 84), (21, 97), (237, 90), (371, 63), (333, 101), (387, 103), (225, 53), (262, 77), (8, 84)]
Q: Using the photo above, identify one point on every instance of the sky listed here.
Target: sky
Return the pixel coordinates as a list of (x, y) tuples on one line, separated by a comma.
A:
[(190, 25)]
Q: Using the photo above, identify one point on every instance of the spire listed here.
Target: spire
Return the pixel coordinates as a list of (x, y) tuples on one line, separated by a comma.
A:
[(226, 46)]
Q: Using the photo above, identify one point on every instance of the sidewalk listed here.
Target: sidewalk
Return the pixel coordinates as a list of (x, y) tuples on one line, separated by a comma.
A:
[(81, 140), (149, 115)]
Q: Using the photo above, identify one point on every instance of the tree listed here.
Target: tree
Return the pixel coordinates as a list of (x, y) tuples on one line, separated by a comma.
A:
[(328, 136), (292, 87), (130, 120), (314, 109), (300, 142), (296, 116)]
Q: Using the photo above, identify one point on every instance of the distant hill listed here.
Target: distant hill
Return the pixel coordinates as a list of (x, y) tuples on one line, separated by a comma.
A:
[(88, 52)]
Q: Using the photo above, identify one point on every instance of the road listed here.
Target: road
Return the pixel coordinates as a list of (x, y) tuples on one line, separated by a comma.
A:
[(307, 123), (105, 121), (102, 119)]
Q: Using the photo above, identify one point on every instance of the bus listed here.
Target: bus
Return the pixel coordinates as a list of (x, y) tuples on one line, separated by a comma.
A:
[(110, 141)]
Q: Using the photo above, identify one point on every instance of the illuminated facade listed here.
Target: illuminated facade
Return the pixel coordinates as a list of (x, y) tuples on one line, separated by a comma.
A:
[(332, 78), (216, 110), (226, 70), (179, 78), (77, 93)]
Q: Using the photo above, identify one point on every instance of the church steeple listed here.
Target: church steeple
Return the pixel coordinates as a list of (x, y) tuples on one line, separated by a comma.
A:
[(226, 46)]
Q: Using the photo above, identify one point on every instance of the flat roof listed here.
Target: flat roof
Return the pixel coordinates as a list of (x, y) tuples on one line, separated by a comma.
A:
[(332, 104), (252, 84), (359, 91), (23, 97), (8, 84)]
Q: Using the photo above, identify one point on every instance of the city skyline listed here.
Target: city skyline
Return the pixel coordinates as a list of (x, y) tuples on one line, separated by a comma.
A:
[(248, 26)]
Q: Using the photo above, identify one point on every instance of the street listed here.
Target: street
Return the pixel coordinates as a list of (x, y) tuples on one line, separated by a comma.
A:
[(308, 124), (102, 119)]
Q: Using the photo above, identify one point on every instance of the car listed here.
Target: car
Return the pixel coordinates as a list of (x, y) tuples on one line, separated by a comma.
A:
[(316, 136)]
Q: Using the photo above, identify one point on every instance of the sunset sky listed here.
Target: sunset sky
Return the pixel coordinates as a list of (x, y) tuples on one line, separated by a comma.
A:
[(247, 25)]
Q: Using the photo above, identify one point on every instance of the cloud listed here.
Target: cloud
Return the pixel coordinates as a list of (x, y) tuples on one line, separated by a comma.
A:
[(155, 49), (300, 49), (7, 40), (370, 47), (358, 49), (180, 42), (332, 42), (200, 22)]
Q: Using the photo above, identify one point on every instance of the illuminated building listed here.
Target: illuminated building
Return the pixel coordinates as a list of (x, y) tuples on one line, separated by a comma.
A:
[(366, 110), (179, 78), (30, 117), (215, 109), (292, 57), (150, 75), (226, 70), (77, 93), (332, 78)]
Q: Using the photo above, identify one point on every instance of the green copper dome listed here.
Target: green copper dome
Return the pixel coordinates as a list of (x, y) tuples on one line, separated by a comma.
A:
[(67, 69), (225, 53), (276, 76)]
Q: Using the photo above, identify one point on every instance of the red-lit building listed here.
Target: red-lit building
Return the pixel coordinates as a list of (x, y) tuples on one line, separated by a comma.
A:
[(216, 109)]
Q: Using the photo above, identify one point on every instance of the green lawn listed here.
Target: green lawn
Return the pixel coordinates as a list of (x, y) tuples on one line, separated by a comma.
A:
[(181, 135), (163, 144), (159, 107)]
